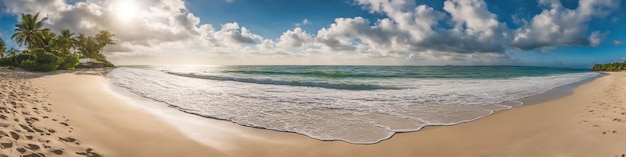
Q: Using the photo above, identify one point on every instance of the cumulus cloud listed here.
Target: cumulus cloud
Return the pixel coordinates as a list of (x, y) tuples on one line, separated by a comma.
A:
[(618, 43), (596, 37), (557, 25), (158, 23), (231, 34), (412, 29), (415, 29), (462, 32), (295, 38), (31, 6)]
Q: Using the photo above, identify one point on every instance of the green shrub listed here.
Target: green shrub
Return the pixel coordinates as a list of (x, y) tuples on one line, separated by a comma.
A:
[(47, 57), (34, 66), (70, 61), (13, 60), (28, 64), (46, 67), (96, 64), (6, 61), (10, 67), (19, 58), (47, 62), (43, 61)]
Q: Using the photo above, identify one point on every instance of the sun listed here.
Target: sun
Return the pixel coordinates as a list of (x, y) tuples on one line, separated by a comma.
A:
[(125, 10)]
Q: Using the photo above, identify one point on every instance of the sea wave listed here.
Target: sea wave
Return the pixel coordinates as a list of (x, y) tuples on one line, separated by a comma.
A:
[(318, 73), (355, 116), (342, 86)]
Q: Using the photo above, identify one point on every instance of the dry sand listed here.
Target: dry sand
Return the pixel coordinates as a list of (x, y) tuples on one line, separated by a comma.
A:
[(28, 125), (110, 124), (590, 122)]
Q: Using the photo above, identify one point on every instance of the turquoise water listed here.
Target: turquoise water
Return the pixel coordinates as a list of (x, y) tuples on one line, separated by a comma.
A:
[(365, 72), (359, 77), (357, 104)]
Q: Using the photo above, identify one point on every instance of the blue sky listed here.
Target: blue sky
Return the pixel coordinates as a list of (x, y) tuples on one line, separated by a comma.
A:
[(302, 31)]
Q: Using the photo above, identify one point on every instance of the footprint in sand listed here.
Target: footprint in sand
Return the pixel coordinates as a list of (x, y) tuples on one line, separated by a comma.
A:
[(6, 144), (15, 136), (21, 150), (70, 140), (26, 128), (34, 155), (57, 151), (89, 152)]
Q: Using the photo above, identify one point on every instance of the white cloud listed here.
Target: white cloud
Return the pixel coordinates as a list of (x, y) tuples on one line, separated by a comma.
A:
[(596, 38), (618, 43), (557, 25), (303, 23), (463, 32), (412, 30), (161, 24), (33, 6), (232, 35), (296, 38)]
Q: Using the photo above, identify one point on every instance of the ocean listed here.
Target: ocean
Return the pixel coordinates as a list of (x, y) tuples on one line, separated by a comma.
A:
[(356, 104)]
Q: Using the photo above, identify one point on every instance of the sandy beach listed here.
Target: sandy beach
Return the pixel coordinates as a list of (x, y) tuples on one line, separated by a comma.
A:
[(28, 124), (110, 121)]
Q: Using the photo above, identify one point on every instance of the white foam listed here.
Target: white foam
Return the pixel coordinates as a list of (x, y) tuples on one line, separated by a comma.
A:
[(329, 114)]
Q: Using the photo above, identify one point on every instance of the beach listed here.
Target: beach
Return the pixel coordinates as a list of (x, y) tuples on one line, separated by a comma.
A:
[(108, 120), (28, 124)]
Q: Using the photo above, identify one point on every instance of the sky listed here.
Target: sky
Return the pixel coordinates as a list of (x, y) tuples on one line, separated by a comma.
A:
[(573, 33)]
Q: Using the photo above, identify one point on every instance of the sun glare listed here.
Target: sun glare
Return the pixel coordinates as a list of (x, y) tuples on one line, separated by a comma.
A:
[(125, 10)]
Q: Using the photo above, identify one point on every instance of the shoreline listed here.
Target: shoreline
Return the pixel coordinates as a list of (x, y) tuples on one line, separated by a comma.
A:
[(462, 100), (555, 93), (112, 124), (227, 138)]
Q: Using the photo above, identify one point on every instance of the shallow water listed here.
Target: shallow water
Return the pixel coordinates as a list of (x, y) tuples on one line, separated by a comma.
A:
[(357, 104)]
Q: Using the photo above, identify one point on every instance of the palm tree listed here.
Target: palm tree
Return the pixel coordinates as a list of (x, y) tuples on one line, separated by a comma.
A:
[(29, 30), (65, 40), (89, 49), (48, 41), (79, 40), (3, 48), (104, 38), (12, 52)]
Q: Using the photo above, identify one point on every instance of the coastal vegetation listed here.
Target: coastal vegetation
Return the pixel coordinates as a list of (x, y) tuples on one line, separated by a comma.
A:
[(616, 66), (48, 51)]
